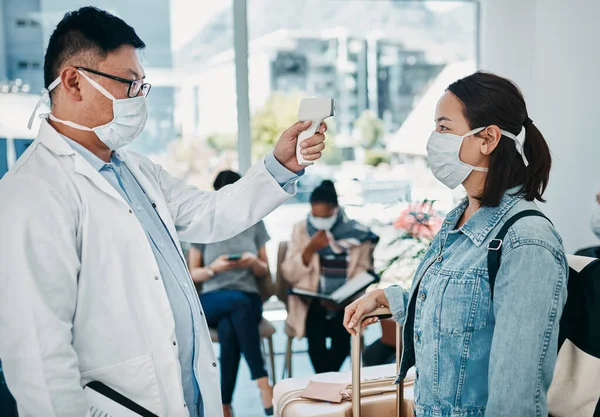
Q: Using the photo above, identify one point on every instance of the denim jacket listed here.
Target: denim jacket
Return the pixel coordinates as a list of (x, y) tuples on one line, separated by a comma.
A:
[(474, 356)]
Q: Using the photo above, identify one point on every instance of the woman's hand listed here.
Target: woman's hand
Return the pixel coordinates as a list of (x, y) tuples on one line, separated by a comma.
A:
[(246, 261), (364, 305), (222, 264), (319, 241)]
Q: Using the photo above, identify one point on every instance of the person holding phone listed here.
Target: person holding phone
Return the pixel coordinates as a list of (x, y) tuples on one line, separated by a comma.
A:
[(326, 249), (226, 275)]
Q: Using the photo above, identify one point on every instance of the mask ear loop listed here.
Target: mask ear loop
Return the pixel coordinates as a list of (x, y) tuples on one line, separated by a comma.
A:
[(471, 133), (45, 99), (519, 141), (98, 87)]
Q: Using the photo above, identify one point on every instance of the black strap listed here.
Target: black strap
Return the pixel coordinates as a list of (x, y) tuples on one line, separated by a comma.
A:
[(495, 245), (120, 399)]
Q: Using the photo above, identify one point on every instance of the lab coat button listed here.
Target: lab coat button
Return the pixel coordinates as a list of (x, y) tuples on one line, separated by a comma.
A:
[(156, 278), (174, 343), (214, 364)]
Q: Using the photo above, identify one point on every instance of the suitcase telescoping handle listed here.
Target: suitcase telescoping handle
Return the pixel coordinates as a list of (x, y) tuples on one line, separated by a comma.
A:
[(381, 313)]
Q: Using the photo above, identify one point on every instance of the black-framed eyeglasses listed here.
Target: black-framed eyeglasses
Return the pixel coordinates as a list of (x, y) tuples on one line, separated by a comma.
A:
[(134, 86)]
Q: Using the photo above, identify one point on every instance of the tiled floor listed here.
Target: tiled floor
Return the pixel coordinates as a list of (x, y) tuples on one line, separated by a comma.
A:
[(246, 401)]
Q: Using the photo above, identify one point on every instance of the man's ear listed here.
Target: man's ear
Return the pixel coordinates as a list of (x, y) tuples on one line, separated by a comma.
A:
[(70, 80), (492, 136)]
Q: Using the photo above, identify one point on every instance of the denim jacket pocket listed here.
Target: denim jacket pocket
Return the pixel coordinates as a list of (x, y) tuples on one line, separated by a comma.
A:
[(465, 303)]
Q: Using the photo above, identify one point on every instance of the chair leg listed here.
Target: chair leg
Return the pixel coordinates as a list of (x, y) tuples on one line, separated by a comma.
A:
[(288, 357), (272, 359)]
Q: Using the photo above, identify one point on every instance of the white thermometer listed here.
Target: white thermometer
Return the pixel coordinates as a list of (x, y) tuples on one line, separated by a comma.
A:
[(314, 110)]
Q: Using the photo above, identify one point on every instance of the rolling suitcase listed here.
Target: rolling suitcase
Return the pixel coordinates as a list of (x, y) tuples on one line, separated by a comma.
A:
[(379, 396)]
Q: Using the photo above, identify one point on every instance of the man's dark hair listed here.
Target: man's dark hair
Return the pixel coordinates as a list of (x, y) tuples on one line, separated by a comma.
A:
[(88, 30), (489, 99)]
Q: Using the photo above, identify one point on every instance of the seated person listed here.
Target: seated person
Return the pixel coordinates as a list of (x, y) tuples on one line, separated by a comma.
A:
[(596, 217), (325, 250), (231, 302), (593, 252)]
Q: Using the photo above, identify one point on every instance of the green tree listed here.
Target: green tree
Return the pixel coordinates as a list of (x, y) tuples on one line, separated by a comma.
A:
[(375, 157), (222, 141), (278, 113), (370, 129)]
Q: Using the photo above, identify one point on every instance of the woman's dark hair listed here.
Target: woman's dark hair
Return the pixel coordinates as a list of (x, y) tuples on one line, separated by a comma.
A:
[(325, 193), (487, 100), (225, 178)]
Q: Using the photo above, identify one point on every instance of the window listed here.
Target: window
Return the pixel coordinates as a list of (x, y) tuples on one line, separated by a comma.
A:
[(21, 23), (377, 59), (22, 65)]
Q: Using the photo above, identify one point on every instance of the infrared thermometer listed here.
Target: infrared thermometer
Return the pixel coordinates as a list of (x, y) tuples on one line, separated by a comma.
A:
[(314, 110)]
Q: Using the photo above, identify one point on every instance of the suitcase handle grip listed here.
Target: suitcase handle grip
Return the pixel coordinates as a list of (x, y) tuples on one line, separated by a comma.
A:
[(381, 313)]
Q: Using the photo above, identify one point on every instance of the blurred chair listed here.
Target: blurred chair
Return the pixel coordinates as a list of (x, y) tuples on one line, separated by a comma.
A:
[(265, 328), (3, 157), (281, 288), (21, 146)]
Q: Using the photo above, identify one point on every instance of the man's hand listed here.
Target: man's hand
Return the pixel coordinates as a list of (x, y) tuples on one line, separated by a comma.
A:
[(285, 148)]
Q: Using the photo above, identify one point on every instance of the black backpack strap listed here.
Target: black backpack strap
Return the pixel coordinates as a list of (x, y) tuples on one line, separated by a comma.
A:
[(495, 245)]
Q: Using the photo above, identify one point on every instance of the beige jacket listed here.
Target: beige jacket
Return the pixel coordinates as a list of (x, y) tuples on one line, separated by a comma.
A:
[(307, 277)]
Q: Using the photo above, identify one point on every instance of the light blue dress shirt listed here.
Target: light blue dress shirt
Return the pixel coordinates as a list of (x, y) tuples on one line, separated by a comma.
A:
[(180, 289)]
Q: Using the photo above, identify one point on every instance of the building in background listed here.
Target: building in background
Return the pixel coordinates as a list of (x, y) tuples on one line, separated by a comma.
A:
[(377, 56), (26, 26)]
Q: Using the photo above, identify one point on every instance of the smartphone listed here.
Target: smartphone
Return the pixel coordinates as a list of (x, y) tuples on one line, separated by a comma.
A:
[(234, 257)]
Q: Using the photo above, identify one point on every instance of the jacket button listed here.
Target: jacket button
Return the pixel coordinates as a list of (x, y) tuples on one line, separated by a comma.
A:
[(184, 405), (130, 211), (174, 343), (214, 364), (416, 337), (439, 258), (423, 296), (156, 278)]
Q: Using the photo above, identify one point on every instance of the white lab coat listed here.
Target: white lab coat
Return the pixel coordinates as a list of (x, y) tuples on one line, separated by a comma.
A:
[(81, 296)]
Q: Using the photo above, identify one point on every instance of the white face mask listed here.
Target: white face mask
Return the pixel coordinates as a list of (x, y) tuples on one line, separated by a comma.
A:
[(443, 156), (322, 223), (129, 118)]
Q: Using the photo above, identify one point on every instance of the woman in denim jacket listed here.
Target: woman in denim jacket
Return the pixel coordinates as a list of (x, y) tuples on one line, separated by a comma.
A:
[(474, 356)]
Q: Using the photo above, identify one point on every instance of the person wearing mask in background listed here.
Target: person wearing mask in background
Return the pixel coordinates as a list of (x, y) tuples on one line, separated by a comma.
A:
[(594, 251), (229, 295), (325, 250), (595, 223), (94, 283), (475, 355)]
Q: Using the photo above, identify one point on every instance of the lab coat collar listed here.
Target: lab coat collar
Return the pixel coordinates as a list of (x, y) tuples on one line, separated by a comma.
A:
[(54, 142)]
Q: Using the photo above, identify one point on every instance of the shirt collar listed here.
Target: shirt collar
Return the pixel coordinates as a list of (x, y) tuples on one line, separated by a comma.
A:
[(92, 159), (479, 226)]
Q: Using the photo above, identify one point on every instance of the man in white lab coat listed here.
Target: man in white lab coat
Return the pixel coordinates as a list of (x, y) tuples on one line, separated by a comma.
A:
[(93, 286)]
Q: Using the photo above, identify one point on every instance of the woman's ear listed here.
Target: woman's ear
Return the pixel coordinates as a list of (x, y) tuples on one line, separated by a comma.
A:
[(491, 136)]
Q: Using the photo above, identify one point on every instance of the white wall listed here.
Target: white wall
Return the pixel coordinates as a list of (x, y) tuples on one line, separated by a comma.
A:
[(550, 49)]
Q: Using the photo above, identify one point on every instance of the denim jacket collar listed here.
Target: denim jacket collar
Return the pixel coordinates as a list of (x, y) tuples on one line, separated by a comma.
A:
[(479, 226)]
